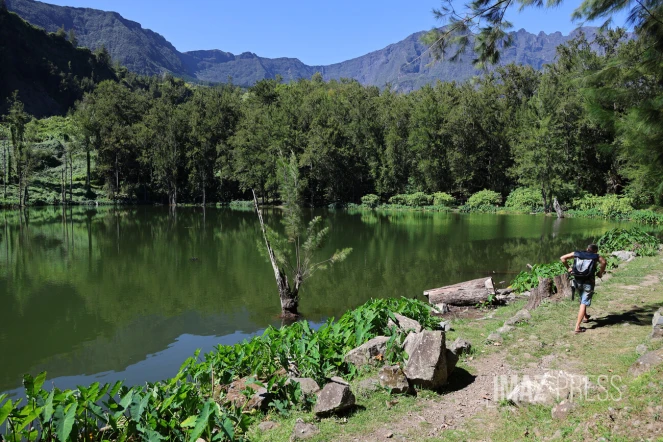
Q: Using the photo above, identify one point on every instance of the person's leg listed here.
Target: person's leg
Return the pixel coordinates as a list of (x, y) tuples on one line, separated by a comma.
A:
[(581, 314), (585, 292)]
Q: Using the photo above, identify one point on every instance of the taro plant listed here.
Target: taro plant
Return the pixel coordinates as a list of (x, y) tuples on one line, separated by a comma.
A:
[(525, 281), (633, 239)]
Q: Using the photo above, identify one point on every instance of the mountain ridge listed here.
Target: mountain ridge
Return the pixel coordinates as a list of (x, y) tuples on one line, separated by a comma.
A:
[(406, 64)]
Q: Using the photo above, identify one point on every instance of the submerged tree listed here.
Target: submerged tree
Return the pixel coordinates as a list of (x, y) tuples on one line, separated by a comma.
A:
[(294, 253)]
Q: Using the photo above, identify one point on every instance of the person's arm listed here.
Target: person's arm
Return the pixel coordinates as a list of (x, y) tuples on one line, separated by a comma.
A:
[(602, 263), (565, 258)]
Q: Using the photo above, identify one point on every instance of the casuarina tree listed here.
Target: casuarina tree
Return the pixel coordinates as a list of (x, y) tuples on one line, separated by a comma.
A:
[(292, 254)]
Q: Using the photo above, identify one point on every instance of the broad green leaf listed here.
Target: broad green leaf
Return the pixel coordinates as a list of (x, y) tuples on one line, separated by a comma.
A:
[(64, 421), (126, 400), (5, 410), (48, 407), (202, 421), (228, 429), (115, 389), (29, 418), (39, 381), (189, 422)]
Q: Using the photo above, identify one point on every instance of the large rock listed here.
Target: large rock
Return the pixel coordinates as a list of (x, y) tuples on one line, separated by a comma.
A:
[(257, 401), (393, 378), (522, 316), (646, 362), (405, 323), (333, 398), (365, 354), (426, 365), (549, 388), (657, 324), (307, 385), (562, 410), (460, 347), (624, 255), (452, 360)]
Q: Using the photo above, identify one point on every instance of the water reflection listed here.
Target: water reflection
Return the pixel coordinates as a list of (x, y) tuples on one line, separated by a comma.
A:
[(129, 293)]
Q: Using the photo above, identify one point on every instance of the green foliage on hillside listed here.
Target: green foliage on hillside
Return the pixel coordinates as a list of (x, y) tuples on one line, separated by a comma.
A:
[(49, 73)]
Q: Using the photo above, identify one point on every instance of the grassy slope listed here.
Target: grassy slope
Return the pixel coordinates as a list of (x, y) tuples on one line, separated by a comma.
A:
[(624, 306)]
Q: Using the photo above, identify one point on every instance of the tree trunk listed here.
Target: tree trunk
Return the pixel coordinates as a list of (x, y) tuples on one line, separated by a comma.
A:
[(71, 178), (88, 185), (558, 208), (563, 284), (289, 298), (538, 294), (464, 293)]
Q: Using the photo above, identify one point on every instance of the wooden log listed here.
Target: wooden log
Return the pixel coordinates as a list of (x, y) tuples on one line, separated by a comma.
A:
[(558, 208), (563, 284), (464, 293), (538, 294)]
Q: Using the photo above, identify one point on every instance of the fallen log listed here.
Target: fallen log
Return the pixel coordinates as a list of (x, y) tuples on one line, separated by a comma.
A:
[(464, 293)]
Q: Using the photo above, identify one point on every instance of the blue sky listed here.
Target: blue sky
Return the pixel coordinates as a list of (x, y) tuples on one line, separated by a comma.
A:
[(316, 32)]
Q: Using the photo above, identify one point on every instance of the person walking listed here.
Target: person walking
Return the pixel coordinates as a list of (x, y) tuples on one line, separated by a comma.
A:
[(584, 278)]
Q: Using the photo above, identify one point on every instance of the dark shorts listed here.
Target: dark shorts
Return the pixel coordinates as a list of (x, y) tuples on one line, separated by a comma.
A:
[(585, 291)]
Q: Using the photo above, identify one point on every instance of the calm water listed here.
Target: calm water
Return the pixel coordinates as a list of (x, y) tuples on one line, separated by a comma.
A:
[(105, 294)]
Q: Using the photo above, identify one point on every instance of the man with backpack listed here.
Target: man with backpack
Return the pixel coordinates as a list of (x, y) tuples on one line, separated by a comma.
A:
[(584, 271)]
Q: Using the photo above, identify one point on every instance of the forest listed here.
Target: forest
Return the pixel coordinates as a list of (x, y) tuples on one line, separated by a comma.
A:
[(586, 125)]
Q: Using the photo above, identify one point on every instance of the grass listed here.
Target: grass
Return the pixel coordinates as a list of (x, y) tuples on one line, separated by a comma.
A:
[(630, 297)]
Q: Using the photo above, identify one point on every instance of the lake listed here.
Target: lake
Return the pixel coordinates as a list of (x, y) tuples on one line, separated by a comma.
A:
[(100, 294)]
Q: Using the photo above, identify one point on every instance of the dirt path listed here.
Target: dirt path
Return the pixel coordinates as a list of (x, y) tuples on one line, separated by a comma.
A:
[(629, 300)]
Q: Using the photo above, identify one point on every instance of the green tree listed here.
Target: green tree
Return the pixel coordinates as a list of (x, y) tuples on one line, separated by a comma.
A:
[(61, 33), (72, 38), (294, 252), (17, 120)]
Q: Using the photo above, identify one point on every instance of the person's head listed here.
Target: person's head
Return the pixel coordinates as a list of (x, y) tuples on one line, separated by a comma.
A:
[(593, 248)]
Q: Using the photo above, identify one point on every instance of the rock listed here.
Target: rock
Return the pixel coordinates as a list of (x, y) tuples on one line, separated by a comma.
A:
[(641, 349), (392, 377), (267, 425), (562, 410), (624, 255), (521, 316), (333, 398), (365, 354), (527, 293), (646, 362), (426, 365), (235, 395), (407, 324), (445, 326), (549, 388), (339, 380), (452, 360), (304, 431), (368, 385), (307, 385), (460, 347), (505, 329), (657, 324), (442, 308), (495, 338)]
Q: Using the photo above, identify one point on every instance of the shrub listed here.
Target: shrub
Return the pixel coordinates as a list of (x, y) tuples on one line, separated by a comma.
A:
[(484, 198), (418, 199), (398, 200), (608, 205), (528, 280), (443, 199), (633, 239), (371, 201), (646, 217), (525, 198)]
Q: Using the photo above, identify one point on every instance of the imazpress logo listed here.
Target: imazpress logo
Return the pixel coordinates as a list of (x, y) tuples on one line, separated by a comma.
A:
[(556, 386)]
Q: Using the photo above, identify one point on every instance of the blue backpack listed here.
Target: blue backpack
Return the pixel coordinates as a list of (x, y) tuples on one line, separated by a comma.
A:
[(584, 264)]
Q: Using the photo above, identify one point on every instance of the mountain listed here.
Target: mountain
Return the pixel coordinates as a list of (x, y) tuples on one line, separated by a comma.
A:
[(406, 64), (49, 73)]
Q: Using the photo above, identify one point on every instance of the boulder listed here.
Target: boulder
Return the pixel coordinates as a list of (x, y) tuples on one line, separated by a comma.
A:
[(426, 365), (393, 378), (368, 385), (307, 385), (657, 324), (562, 410), (505, 329), (405, 323), (495, 337), (624, 255), (549, 388), (257, 401), (365, 354), (333, 397), (646, 362), (522, 316), (641, 349), (304, 431), (267, 425), (460, 347), (452, 360), (339, 380), (445, 326)]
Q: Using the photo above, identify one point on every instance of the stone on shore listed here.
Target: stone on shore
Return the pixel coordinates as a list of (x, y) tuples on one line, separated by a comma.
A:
[(393, 378), (522, 316), (307, 385), (562, 410), (404, 323), (333, 398), (303, 431), (257, 401), (624, 255), (365, 354), (460, 347), (657, 324), (426, 365), (646, 362)]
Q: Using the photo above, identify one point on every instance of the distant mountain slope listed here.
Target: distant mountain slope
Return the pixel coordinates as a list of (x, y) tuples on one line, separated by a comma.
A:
[(49, 73), (141, 50)]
